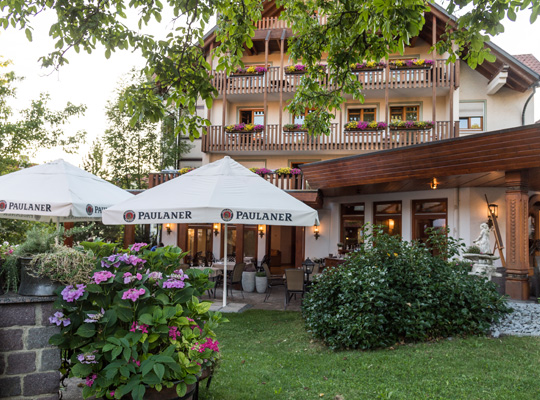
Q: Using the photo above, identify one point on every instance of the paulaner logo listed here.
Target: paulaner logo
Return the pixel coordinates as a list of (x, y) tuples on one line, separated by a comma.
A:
[(129, 216), (3, 205), (89, 209), (226, 215)]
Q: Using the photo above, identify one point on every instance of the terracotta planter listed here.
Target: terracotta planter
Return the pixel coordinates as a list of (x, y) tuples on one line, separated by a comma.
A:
[(32, 286)]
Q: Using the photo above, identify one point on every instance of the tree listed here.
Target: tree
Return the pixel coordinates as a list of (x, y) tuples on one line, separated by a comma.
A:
[(355, 30), (94, 162), (37, 127)]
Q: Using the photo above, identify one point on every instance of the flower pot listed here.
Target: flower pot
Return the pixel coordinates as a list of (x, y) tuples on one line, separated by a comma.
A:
[(288, 130), (235, 131), (364, 130), (261, 283), (411, 67), (295, 72), (248, 281), (35, 286), (414, 128), (240, 74), (366, 69)]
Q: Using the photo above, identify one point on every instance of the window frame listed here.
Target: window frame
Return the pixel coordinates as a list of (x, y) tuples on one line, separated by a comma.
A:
[(343, 217), (394, 216), (252, 110), (404, 111), (415, 215), (362, 111)]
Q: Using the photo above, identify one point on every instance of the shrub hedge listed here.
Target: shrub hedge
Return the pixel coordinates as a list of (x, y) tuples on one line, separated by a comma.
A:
[(394, 291)]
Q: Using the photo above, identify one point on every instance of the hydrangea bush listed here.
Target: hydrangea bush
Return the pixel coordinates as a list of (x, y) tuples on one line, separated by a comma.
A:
[(137, 324), (392, 291)]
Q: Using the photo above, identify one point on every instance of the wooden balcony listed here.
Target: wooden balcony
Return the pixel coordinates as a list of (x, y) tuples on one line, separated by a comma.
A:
[(443, 75), (285, 182), (274, 139)]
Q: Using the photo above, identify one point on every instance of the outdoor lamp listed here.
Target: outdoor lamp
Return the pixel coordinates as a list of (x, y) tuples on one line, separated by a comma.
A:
[(168, 227), (434, 183), (316, 232), (261, 230), (493, 209), (391, 223), (216, 229)]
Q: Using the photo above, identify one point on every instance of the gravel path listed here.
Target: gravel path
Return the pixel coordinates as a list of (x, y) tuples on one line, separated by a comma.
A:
[(523, 321)]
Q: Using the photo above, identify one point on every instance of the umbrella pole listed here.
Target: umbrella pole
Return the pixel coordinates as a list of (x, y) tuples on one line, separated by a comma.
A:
[(225, 266)]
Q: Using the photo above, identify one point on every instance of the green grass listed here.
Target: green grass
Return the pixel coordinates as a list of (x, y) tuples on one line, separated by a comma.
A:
[(269, 355)]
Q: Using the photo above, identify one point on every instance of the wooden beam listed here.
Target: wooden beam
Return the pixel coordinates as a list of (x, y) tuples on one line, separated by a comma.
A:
[(434, 71), (129, 235), (181, 238), (248, 50), (299, 252), (266, 43)]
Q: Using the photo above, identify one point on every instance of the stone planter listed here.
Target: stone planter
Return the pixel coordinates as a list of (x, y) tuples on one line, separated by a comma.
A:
[(483, 265), (248, 281), (261, 283), (32, 286)]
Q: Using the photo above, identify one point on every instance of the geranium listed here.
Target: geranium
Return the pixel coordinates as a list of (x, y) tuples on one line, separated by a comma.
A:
[(412, 124), (296, 68), (262, 171), (242, 127), (368, 64), (292, 127), (415, 62), (288, 171)]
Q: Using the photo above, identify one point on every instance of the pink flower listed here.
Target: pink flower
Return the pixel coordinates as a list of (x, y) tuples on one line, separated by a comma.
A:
[(174, 332), (176, 280), (112, 393), (133, 294), (90, 379), (70, 294), (129, 277), (102, 276), (139, 327), (138, 363), (209, 344), (59, 318), (138, 246)]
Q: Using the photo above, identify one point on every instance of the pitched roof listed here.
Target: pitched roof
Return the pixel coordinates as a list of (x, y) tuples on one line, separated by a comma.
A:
[(530, 61)]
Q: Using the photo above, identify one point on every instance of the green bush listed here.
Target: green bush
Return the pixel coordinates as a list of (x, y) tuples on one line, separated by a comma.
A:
[(393, 291)]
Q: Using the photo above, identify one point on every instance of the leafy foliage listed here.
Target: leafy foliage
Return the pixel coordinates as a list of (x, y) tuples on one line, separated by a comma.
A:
[(394, 291), (63, 264), (179, 74)]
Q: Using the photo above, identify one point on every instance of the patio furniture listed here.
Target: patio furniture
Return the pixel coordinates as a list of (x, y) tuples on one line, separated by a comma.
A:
[(236, 277), (294, 284), (273, 280)]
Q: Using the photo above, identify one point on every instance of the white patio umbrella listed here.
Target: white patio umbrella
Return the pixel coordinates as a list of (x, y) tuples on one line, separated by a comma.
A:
[(56, 191), (221, 192)]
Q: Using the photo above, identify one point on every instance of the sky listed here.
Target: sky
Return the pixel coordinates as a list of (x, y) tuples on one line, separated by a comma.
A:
[(91, 79)]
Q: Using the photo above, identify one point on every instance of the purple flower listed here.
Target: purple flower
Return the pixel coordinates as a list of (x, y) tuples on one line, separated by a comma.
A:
[(90, 380), (129, 277), (174, 332), (59, 318), (137, 246), (131, 259), (139, 327), (296, 171), (70, 294), (176, 280), (102, 276), (155, 275), (133, 294), (95, 317), (87, 358)]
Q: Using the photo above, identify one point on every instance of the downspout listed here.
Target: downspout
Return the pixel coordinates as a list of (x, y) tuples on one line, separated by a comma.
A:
[(527, 103)]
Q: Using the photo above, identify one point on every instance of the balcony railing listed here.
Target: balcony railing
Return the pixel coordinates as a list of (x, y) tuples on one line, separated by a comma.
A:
[(274, 139), (440, 74), (276, 23), (285, 182)]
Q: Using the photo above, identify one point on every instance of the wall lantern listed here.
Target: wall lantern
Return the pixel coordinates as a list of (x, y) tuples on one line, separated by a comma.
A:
[(168, 228), (493, 209), (433, 184), (316, 232), (391, 224), (216, 229), (261, 230)]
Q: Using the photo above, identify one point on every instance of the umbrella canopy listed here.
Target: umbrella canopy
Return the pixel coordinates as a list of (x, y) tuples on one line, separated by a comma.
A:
[(221, 192), (56, 191)]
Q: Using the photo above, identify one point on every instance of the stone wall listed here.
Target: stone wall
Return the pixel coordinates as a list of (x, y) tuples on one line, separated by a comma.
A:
[(28, 364)]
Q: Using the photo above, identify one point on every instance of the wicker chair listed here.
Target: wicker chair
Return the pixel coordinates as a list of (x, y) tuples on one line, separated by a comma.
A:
[(294, 284), (236, 277), (273, 280)]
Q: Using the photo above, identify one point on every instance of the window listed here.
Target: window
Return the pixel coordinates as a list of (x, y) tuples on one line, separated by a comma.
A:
[(388, 215), (405, 113), (199, 239), (250, 241), (471, 116), (362, 114), (352, 221), (255, 116), (428, 214), (299, 119)]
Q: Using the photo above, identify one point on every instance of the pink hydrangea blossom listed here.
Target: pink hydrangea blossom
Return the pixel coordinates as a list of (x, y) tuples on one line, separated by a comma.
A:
[(87, 358), (139, 327), (102, 276), (209, 344), (70, 293), (174, 332), (176, 280), (90, 379), (136, 362), (155, 275), (129, 277), (59, 319), (133, 294), (138, 246)]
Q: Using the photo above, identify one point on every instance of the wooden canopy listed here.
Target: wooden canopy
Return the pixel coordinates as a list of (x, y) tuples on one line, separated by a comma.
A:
[(476, 160)]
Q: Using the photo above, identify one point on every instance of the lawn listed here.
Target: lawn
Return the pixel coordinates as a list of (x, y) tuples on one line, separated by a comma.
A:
[(269, 355)]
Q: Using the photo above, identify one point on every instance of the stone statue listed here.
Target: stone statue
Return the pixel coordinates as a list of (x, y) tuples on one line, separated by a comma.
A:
[(483, 239)]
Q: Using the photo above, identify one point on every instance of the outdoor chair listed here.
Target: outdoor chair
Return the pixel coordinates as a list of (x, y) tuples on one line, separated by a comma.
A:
[(294, 284), (236, 277), (210, 259), (273, 280)]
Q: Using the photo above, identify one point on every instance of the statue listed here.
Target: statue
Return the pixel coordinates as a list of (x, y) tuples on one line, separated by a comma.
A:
[(483, 239)]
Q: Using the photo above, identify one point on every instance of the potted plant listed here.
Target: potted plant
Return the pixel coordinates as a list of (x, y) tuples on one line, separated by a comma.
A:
[(261, 282), (248, 278), (251, 70), (411, 125), (261, 171), (300, 69), (287, 171), (244, 128), (369, 66), (137, 329), (365, 126), (294, 128), (416, 63)]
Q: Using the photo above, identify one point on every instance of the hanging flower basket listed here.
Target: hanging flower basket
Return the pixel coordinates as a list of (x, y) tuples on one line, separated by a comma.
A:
[(249, 71), (294, 128), (244, 128), (358, 126), (411, 125), (417, 63), (368, 66)]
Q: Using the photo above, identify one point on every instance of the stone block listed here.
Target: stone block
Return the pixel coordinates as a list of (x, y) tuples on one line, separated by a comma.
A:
[(17, 314), (21, 363), (38, 338), (47, 310), (11, 339), (50, 359), (41, 383), (2, 364), (10, 386), (52, 397)]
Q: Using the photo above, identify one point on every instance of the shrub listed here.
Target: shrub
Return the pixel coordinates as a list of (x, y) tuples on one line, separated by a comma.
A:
[(394, 291), (473, 250)]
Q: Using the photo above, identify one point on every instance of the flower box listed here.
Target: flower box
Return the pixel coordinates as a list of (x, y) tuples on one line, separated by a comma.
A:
[(368, 66), (292, 130), (360, 126), (412, 64), (242, 131), (300, 69), (239, 74), (411, 125), (244, 128), (249, 71)]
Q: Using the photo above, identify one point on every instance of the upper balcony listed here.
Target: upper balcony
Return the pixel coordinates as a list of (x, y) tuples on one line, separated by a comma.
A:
[(274, 139), (442, 75)]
